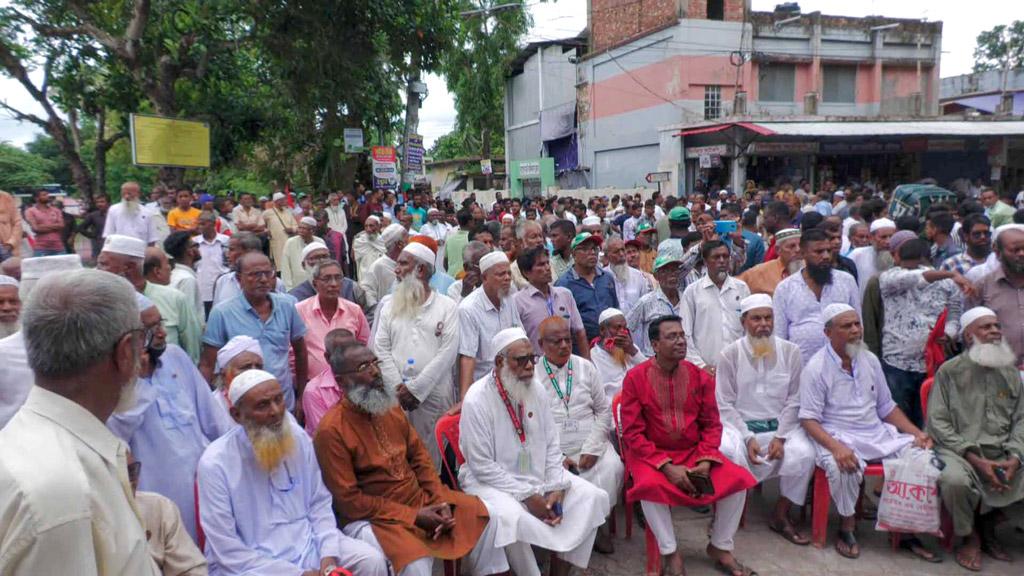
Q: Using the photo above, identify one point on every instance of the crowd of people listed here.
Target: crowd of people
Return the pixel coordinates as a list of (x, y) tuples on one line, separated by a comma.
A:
[(262, 387)]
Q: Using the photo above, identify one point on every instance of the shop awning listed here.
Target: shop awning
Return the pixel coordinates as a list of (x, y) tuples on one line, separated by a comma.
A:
[(720, 127), (840, 128)]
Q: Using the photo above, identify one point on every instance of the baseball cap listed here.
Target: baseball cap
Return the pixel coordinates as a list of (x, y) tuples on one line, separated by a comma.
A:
[(665, 260), (644, 227), (679, 213), (585, 237)]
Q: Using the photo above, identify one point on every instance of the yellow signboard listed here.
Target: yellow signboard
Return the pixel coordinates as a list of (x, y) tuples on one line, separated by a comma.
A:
[(158, 141)]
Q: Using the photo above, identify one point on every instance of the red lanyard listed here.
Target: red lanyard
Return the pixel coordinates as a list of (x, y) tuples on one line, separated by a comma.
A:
[(517, 420)]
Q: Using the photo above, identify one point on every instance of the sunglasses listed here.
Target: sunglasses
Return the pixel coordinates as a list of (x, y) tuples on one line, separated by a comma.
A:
[(525, 360)]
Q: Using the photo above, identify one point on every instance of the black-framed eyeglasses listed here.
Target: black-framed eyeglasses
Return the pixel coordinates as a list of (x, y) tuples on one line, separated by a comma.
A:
[(525, 360)]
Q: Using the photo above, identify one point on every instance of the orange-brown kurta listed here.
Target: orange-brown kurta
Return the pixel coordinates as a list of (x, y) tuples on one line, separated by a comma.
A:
[(763, 278), (378, 470)]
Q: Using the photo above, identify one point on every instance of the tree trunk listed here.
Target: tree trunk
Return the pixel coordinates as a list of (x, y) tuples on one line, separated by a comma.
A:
[(485, 153), (99, 164), (412, 113)]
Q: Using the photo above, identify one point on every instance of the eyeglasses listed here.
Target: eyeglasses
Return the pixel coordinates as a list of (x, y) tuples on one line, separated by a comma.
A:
[(587, 248), (375, 363), (330, 279), (525, 360)]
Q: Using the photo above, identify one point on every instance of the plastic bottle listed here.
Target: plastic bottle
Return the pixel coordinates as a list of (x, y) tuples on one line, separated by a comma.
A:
[(410, 371)]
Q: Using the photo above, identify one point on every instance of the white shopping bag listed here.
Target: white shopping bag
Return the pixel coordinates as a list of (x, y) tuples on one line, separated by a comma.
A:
[(910, 495)]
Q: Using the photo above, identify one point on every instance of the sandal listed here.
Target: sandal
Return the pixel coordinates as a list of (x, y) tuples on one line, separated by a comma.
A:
[(993, 548), (787, 531), (972, 562), (917, 548), (850, 540), (736, 570)]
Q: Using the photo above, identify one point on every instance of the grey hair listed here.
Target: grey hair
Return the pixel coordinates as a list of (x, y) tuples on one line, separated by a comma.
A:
[(475, 250), (72, 321), (249, 242), (321, 265), (522, 225)]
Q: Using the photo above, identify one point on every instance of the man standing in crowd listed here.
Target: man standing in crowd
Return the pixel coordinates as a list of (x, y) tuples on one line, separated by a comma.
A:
[(998, 212), (290, 262), (777, 217), (765, 277), (123, 255), (388, 488), (185, 253), (757, 387), (671, 433), (800, 298), (381, 276), (846, 408), (539, 300), (172, 420), (514, 464), (281, 225), (614, 354), (938, 229), (473, 253), (976, 234), (10, 306), (337, 243), (264, 507), (64, 490), (561, 233), (129, 218), (666, 300), (213, 248), (591, 286), (531, 236), (630, 283), (326, 311), (582, 415), (267, 316), (227, 285), (979, 435), (1002, 289), (710, 308), (47, 223), (367, 246), (456, 243), (417, 341), (336, 218), (247, 217), (876, 258)]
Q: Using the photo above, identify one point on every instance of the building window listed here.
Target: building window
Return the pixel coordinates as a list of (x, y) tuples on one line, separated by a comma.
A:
[(712, 102), (839, 84), (775, 82), (716, 10)]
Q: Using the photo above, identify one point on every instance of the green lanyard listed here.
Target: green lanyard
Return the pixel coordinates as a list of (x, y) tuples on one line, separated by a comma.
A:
[(554, 383)]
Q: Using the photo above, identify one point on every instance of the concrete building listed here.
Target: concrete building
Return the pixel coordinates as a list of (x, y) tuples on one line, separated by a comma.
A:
[(983, 93)]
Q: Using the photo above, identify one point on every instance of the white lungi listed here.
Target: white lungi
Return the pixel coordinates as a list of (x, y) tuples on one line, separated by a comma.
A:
[(484, 559), (845, 486), (794, 470), (606, 474)]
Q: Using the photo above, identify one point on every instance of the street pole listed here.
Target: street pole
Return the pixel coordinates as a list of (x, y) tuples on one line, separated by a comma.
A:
[(412, 113)]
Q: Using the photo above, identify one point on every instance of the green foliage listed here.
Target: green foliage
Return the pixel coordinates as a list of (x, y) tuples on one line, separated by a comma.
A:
[(21, 168), (460, 143), (1002, 46)]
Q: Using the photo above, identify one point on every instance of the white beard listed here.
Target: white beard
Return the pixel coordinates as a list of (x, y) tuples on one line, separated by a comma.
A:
[(992, 355), (621, 272), (373, 400), (761, 346), (794, 266), (883, 260), (504, 291), (408, 297), (8, 328), (132, 206), (519, 390), (854, 349)]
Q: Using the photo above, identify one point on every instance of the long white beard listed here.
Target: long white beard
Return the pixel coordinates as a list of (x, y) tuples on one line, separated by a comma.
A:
[(373, 400), (132, 206), (8, 328), (883, 260), (854, 349), (992, 355), (621, 271), (126, 400), (270, 444), (761, 346), (408, 297), (519, 389), (794, 266)]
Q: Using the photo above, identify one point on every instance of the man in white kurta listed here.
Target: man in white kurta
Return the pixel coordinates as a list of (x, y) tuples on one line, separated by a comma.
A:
[(380, 277), (614, 354), (417, 341), (757, 386), (710, 308), (367, 246), (290, 264), (868, 258), (438, 229), (847, 409), (510, 440), (266, 510), (582, 414)]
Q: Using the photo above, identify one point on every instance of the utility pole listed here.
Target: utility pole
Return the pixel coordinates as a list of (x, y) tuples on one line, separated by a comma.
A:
[(414, 88)]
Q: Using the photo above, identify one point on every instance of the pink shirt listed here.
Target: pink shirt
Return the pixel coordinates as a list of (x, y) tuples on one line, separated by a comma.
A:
[(348, 316), (320, 395), (48, 216)]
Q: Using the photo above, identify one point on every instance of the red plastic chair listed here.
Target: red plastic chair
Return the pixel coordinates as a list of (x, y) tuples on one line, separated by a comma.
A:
[(446, 431), (651, 543), (822, 500)]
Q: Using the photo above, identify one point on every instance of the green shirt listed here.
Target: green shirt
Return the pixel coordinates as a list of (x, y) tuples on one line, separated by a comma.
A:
[(179, 318), (453, 248), (975, 408), (1000, 213)]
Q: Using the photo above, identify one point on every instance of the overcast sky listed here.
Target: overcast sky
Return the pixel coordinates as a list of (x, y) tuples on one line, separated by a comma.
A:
[(961, 24)]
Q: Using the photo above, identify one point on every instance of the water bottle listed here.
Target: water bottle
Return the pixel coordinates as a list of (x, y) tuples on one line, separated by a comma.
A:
[(410, 371)]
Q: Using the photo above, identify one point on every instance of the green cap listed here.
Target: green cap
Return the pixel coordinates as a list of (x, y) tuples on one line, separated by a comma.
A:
[(585, 237), (665, 260), (644, 227), (679, 213)]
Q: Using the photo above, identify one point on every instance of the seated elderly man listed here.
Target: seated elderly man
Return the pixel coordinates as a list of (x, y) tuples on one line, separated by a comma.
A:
[(614, 354), (264, 507), (847, 409), (514, 463), (322, 392), (582, 415), (172, 420), (976, 416), (671, 431), (757, 386), (384, 482)]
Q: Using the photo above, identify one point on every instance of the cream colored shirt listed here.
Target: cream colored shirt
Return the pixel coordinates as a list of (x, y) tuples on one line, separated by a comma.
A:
[(169, 543), (66, 506)]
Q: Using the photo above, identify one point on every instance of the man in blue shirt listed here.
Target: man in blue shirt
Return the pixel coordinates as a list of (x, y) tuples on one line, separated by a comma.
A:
[(266, 316), (591, 287)]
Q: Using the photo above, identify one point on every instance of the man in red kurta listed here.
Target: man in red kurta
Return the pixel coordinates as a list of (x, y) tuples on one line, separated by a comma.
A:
[(671, 432)]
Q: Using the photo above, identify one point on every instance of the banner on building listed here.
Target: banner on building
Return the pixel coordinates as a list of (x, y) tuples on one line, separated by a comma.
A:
[(385, 167), (160, 141), (414, 155), (353, 140)]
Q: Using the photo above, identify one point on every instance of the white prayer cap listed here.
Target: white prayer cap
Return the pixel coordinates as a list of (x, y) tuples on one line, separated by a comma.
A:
[(393, 233), (143, 303), (278, 196), (313, 246), (840, 194), (608, 314), (432, 211), (786, 234), (420, 252), (755, 301), (36, 268), (492, 258), (308, 221), (882, 223), (234, 347), (833, 310), (507, 337), (508, 217), (9, 281), (373, 218), (976, 313), (591, 221), (124, 245), (1004, 228), (247, 381)]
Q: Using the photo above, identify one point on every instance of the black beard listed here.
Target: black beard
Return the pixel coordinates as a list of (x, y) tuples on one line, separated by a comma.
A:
[(821, 274), (155, 353)]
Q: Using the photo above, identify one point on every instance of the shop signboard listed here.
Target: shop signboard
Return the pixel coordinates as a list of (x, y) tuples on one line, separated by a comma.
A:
[(353, 140), (861, 147), (529, 170), (694, 152), (385, 167), (783, 148)]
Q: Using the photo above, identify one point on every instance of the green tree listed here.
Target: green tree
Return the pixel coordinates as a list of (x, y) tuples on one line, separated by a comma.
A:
[(21, 168), (1001, 48)]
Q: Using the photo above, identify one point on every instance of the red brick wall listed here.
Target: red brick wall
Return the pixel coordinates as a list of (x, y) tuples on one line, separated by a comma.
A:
[(698, 9), (615, 21)]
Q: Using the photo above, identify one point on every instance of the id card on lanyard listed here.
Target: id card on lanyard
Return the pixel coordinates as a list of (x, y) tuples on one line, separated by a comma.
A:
[(516, 416)]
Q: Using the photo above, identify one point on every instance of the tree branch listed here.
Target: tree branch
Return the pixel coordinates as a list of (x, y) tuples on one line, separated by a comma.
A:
[(23, 116)]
